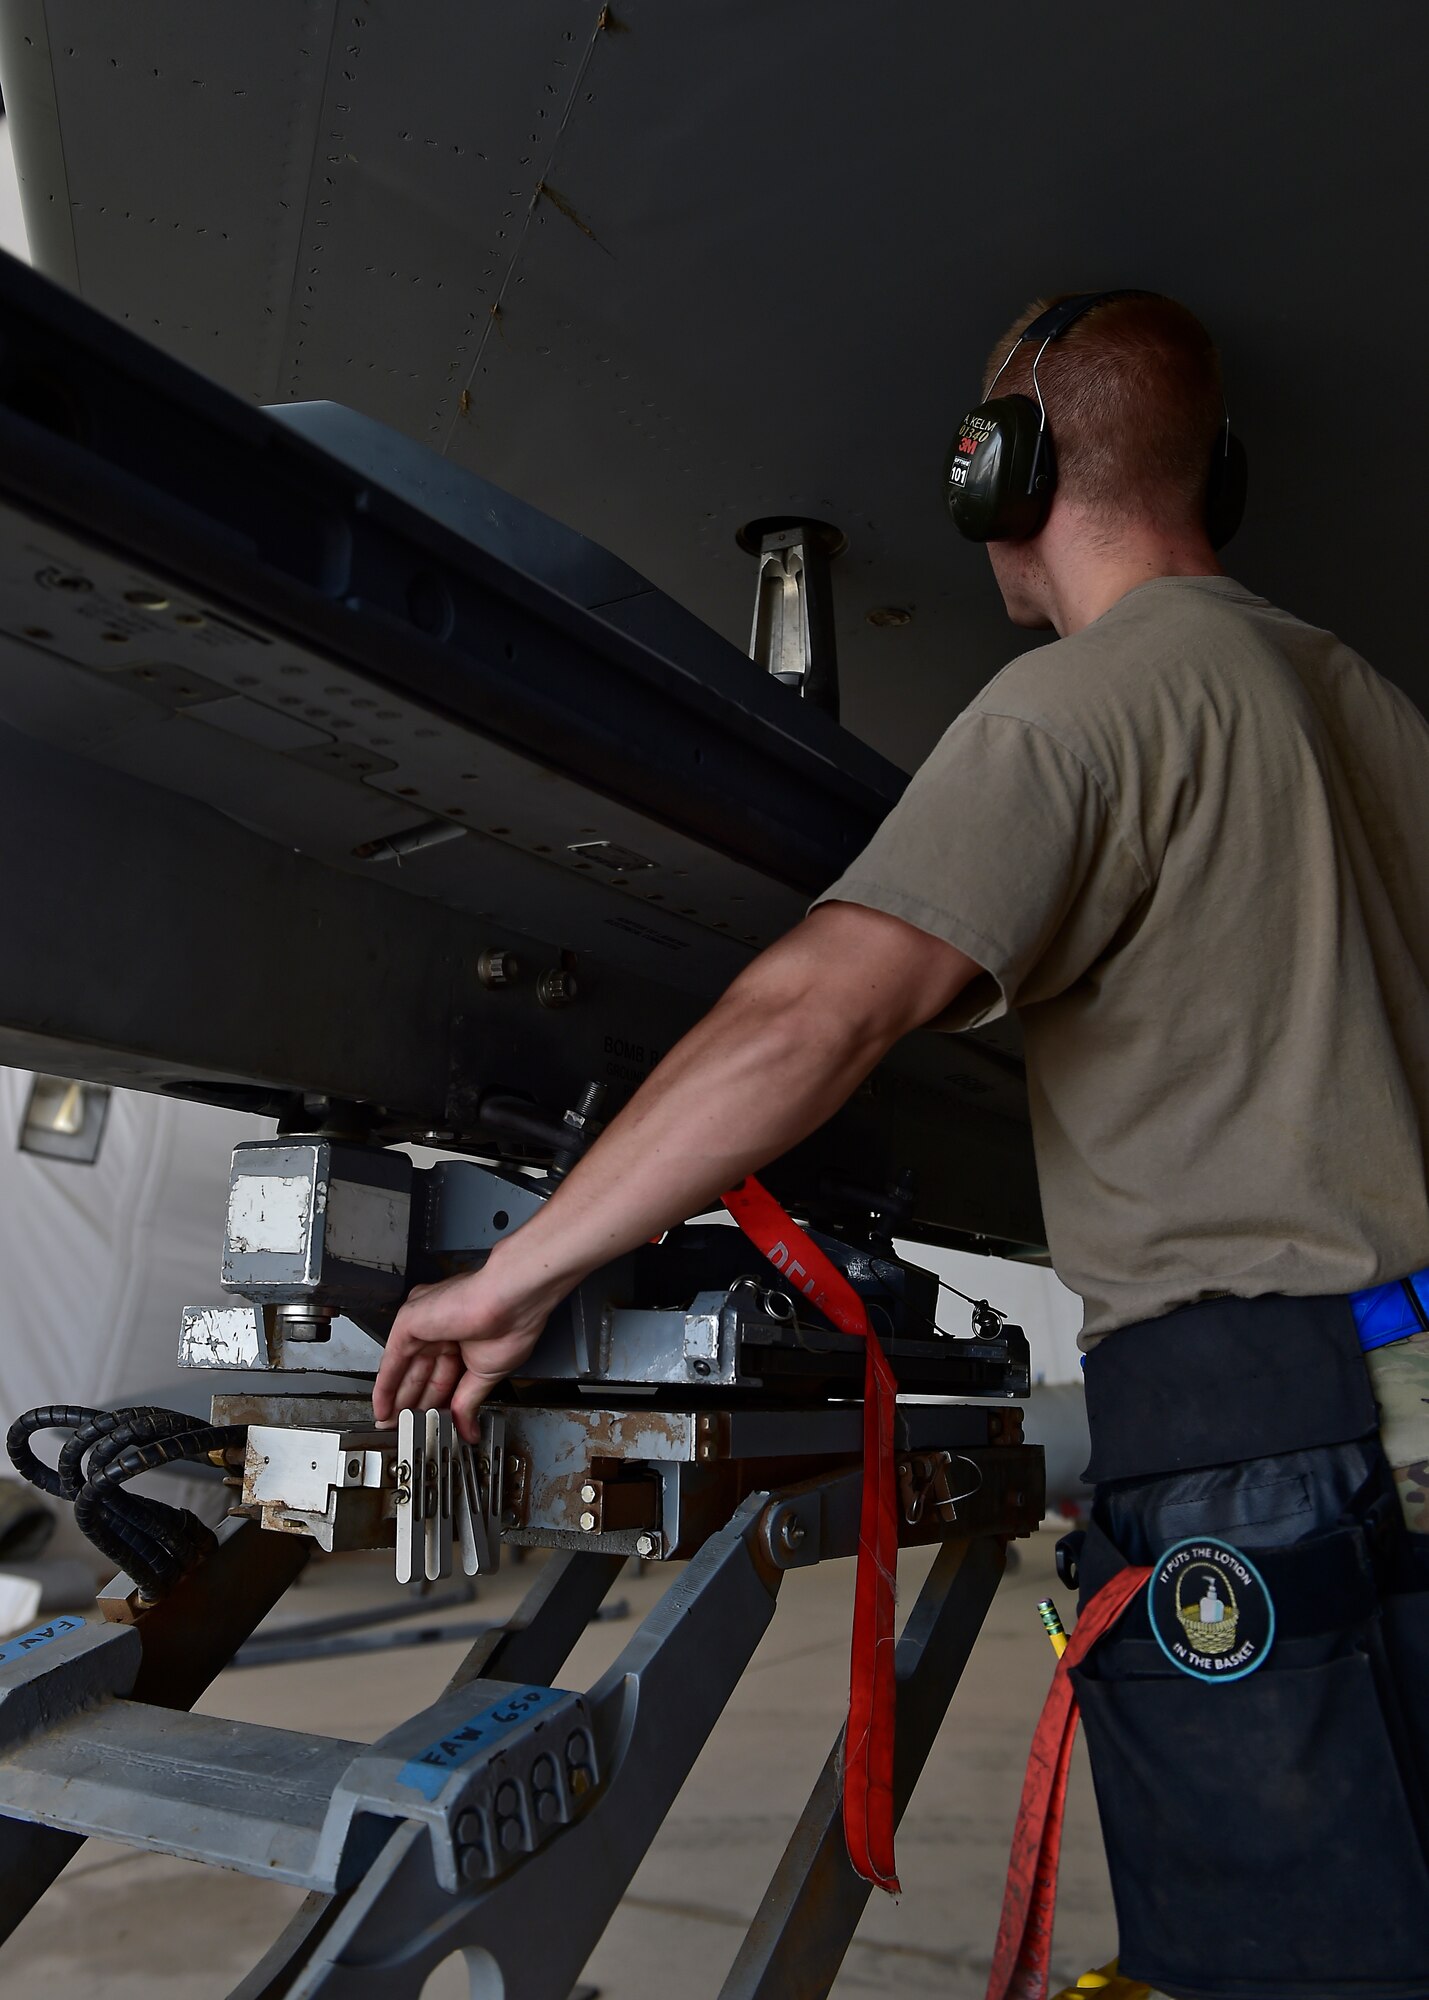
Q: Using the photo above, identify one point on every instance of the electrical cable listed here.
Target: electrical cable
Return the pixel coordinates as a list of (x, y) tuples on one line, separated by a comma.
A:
[(102, 1427), (50, 1417), (152, 1542)]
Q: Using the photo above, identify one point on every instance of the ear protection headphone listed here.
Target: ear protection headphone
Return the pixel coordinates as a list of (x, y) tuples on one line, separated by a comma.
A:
[(1001, 468)]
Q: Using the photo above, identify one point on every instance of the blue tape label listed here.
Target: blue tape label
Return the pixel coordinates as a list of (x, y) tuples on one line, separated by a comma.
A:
[(29, 1642), (430, 1769)]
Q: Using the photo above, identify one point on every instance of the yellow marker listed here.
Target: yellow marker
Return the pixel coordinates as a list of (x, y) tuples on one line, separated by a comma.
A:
[(1108, 1984), (1056, 1630)]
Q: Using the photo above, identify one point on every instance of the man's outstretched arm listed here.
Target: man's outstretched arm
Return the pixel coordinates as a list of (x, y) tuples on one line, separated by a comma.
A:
[(790, 1041)]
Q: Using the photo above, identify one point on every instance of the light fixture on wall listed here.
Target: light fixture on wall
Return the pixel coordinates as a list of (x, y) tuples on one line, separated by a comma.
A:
[(64, 1120)]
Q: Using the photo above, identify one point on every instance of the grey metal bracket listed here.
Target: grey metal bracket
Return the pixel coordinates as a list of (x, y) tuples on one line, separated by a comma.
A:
[(532, 1646), (493, 1773), (652, 1713), (59, 1667)]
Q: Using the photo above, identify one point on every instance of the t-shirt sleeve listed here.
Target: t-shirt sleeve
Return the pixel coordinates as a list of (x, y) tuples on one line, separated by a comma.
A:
[(1006, 845)]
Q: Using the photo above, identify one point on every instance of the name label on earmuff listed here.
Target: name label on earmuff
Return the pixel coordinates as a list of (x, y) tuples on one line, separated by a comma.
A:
[(973, 432)]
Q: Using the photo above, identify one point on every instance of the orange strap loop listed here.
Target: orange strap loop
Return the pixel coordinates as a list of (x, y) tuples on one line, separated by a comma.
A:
[(868, 1741), (1021, 1963)]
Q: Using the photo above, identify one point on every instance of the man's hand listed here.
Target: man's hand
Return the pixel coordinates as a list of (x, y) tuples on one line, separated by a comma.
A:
[(794, 1036), (453, 1342)]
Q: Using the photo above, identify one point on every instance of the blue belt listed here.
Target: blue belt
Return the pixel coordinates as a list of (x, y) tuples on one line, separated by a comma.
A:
[(1387, 1313)]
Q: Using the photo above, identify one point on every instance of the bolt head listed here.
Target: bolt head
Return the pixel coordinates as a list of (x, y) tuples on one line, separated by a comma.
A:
[(496, 969), (588, 1522), (556, 988), (645, 1546), (588, 1493)]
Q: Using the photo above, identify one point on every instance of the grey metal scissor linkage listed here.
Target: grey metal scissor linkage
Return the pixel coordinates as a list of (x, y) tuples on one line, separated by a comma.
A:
[(379, 1916)]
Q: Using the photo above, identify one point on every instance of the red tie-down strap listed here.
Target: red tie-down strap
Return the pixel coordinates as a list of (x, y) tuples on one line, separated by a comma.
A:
[(1022, 1960), (868, 1740)]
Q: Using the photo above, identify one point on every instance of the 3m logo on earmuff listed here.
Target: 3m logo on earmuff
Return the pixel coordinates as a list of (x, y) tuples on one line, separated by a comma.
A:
[(974, 431)]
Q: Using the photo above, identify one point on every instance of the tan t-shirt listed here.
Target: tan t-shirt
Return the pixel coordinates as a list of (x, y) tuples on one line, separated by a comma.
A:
[(1190, 845)]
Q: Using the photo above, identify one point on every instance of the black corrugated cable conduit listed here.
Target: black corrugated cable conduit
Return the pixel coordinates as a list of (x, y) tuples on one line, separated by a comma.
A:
[(152, 1542)]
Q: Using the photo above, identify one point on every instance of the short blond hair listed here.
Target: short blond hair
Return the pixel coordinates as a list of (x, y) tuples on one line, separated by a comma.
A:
[(1134, 404)]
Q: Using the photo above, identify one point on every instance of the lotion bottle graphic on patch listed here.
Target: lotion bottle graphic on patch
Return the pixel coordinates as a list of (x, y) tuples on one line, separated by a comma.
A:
[(1211, 1608)]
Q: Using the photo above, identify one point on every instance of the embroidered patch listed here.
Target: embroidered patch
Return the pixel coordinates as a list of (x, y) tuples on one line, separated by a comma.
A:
[(1210, 1610)]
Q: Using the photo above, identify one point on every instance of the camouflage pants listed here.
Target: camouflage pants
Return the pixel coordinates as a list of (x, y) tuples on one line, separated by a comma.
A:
[(1400, 1375)]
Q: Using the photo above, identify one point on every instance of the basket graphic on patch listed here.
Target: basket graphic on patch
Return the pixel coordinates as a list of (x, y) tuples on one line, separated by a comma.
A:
[(1209, 1610), (1206, 1609)]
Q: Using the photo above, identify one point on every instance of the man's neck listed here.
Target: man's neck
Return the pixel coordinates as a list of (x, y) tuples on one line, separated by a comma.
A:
[(1087, 573)]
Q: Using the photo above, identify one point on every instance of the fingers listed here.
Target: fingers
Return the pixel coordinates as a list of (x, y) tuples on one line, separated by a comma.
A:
[(405, 1377), (422, 1368), (398, 1353), (416, 1338), (471, 1392), (444, 1378)]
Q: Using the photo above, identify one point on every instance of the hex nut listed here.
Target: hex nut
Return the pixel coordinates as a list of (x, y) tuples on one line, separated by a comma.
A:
[(645, 1546), (496, 969), (588, 1521), (588, 1493), (556, 988)]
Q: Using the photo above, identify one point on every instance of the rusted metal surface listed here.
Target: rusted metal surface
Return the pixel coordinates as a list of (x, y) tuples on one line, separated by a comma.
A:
[(310, 1411)]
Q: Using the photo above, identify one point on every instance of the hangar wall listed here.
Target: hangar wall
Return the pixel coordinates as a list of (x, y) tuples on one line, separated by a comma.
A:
[(97, 1261)]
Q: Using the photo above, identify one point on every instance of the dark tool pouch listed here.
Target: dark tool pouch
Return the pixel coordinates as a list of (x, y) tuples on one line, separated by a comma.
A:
[(1267, 1835)]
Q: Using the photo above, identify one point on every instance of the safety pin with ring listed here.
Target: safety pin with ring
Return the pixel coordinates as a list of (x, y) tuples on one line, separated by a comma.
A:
[(947, 1505), (777, 1305)]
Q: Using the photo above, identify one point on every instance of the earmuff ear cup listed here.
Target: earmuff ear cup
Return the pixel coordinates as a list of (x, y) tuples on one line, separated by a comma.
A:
[(1226, 489), (1000, 472)]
